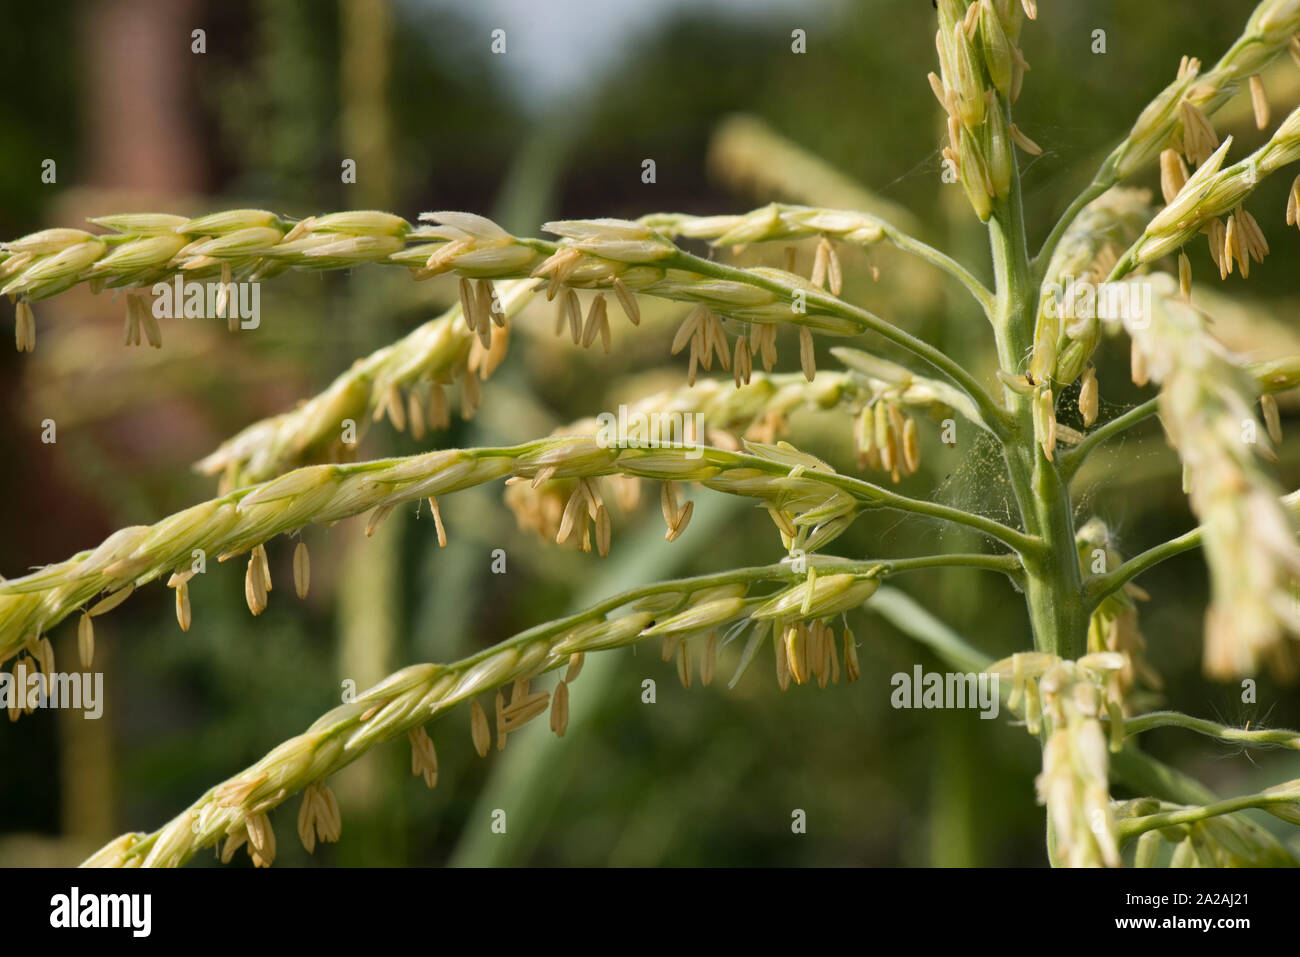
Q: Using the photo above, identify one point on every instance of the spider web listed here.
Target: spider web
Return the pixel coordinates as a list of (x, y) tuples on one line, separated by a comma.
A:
[(980, 484)]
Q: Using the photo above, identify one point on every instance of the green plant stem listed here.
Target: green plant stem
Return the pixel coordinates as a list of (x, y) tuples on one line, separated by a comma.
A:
[(1130, 767), (866, 492), (1074, 459), (1148, 775), (1101, 586), (1133, 827), (243, 519), (994, 416), (411, 697), (1012, 538), (1054, 587), (1264, 737), (1103, 181), (674, 225), (941, 260)]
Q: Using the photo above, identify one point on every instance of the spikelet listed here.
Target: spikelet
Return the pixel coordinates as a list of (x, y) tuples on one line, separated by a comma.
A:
[(317, 817), (183, 612), (1215, 235), (393, 405), (1232, 249), (469, 395), (24, 327), (524, 707), (439, 413), (573, 309), (479, 730), (833, 655), (560, 709), (627, 301), (820, 261), (223, 296), (415, 415), (1024, 142), (45, 657), (911, 447), (376, 517), (437, 522), (146, 321), (807, 353), (499, 706), (1173, 174), (86, 642), (1272, 418), (683, 520), (852, 671), (602, 531), (782, 660), (1088, 397), (1138, 366), (818, 663), (1044, 409), (742, 368), (111, 602), (301, 569), (263, 565), (1259, 102), (261, 840), (709, 660), (329, 822), (468, 307), (424, 757), (834, 271), (575, 667), (255, 586), (569, 521), (884, 440), (795, 651), (676, 517), (668, 502), (1199, 139), (487, 305), (597, 324)]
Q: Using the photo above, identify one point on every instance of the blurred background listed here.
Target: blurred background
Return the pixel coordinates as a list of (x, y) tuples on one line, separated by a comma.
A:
[(556, 126)]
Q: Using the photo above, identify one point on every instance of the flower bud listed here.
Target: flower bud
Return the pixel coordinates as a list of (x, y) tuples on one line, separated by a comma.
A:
[(698, 617), (995, 47), (998, 149), (141, 224), (361, 222), (974, 177), (229, 221), (47, 241), (819, 597)]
